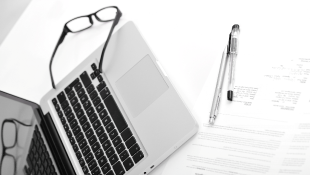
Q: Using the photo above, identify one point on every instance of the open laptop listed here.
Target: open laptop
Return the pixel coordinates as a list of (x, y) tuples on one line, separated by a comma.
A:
[(126, 120)]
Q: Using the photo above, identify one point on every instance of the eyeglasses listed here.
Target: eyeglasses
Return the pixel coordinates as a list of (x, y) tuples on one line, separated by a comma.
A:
[(9, 132), (111, 13)]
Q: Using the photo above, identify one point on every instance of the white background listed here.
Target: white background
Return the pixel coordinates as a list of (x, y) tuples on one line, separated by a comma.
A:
[(186, 36)]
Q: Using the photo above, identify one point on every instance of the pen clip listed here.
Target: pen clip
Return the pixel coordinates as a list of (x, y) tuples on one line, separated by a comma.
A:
[(217, 104)]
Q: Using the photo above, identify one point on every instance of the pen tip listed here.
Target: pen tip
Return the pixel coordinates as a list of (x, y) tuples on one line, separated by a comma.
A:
[(230, 95), (211, 121)]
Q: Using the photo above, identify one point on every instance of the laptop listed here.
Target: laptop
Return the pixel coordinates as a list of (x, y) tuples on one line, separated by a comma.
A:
[(126, 120)]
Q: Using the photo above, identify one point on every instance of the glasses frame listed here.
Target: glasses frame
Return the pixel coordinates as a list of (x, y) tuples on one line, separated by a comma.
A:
[(67, 30), (4, 148)]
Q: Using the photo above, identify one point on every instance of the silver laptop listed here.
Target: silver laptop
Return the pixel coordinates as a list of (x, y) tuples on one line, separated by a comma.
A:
[(126, 120)]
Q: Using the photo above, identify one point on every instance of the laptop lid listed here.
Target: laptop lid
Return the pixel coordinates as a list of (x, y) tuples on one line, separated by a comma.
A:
[(12, 107)]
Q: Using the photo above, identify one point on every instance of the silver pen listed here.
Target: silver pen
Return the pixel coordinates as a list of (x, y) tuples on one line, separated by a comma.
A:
[(233, 52), (218, 88)]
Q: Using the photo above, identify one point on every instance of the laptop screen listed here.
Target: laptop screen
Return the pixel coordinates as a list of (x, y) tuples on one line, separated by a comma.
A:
[(14, 135)]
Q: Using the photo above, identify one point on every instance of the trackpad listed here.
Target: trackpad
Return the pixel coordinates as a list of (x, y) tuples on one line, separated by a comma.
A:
[(141, 85)]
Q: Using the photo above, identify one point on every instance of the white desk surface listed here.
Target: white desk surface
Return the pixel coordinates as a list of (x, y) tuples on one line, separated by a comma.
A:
[(186, 36)]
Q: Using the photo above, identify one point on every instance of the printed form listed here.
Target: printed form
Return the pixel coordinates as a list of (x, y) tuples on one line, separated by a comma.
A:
[(265, 130)]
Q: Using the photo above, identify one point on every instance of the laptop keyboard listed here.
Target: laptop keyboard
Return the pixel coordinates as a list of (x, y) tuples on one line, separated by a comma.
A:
[(100, 137), (38, 159)]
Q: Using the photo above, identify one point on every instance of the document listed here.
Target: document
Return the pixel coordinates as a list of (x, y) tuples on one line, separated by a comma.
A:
[(265, 130)]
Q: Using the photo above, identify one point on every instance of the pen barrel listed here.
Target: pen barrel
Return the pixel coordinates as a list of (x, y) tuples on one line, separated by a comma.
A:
[(219, 85), (232, 67)]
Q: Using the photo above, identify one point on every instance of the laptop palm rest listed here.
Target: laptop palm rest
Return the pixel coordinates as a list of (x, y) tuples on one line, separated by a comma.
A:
[(141, 85)]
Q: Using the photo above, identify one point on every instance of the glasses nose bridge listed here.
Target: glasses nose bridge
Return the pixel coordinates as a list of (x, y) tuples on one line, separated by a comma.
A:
[(90, 18)]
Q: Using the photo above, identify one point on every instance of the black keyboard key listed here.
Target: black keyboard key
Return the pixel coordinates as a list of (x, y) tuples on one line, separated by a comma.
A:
[(80, 113), (102, 161), (110, 173), (82, 143), (138, 156), (96, 124), (113, 134), (104, 93), (78, 86), (66, 127), (101, 85), (95, 147), (82, 162), (83, 120), (70, 117), (54, 101), (110, 152), (117, 141), (126, 134), (128, 164), (60, 114), (69, 134), (115, 113), (99, 108), (113, 159), (105, 168), (57, 107), (103, 137), (89, 133), (90, 88), (68, 110), (93, 117), (93, 66), (85, 79), (79, 136), (130, 142), (106, 145), (77, 107), (99, 131), (92, 164), (72, 140), (99, 77), (120, 148), (64, 104), (97, 72), (109, 127), (135, 148), (90, 111), (84, 98), (75, 147), (92, 75), (99, 153), (103, 114), (89, 157), (85, 150), (81, 92), (85, 169), (92, 140), (76, 130), (78, 155), (118, 169), (93, 95), (70, 87), (73, 123), (73, 101), (86, 126), (86, 105), (96, 101), (71, 94), (61, 97)]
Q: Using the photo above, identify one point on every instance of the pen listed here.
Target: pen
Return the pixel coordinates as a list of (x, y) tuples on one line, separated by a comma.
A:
[(233, 52), (218, 88)]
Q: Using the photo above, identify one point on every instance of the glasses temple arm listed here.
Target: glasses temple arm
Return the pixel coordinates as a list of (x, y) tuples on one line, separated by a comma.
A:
[(61, 39)]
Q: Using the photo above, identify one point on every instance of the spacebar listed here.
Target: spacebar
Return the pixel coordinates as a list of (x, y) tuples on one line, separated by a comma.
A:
[(115, 113)]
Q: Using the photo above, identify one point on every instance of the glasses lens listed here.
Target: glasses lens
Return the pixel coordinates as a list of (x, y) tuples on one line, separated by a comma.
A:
[(7, 165), (79, 24), (9, 134), (106, 14)]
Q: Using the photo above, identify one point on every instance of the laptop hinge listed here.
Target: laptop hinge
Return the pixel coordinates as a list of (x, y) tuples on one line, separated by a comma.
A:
[(55, 144)]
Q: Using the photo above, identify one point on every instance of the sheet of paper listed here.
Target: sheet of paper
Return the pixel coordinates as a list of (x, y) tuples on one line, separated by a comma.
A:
[(265, 130)]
